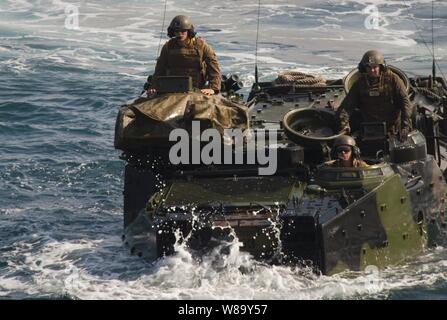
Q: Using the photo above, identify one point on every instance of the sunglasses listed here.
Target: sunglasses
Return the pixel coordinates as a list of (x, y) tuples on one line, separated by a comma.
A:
[(181, 30), (343, 149)]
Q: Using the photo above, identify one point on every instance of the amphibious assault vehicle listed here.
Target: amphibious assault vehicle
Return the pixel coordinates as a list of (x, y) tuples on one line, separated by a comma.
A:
[(304, 212)]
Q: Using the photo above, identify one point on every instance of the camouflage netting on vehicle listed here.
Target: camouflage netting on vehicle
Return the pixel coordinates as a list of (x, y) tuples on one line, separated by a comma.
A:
[(299, 79), (148, 122)]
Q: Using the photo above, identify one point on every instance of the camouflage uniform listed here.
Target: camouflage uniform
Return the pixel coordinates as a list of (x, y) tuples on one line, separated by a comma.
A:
[(385, 101), (194, 58)]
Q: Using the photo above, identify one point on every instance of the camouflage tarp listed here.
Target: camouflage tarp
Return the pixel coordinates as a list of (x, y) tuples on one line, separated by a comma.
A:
[(148, 122)]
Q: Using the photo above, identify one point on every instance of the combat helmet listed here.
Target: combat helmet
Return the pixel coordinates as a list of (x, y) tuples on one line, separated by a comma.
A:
[(181, 23), (345, 140), (372, 57)]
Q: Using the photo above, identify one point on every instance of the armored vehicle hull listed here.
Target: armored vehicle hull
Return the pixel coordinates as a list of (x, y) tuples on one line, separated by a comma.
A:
[(304, 213)]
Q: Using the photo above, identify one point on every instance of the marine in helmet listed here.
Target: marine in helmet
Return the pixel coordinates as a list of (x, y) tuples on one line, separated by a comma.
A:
[(346, 153), (187, 55), (380, 95)]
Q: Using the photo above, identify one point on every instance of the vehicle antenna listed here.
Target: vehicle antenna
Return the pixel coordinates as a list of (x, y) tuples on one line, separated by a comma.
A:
[(256, 49), (162, 28), (433, 39)]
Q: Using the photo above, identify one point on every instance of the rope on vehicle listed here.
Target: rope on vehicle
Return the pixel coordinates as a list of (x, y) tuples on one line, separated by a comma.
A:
[(299, 79)]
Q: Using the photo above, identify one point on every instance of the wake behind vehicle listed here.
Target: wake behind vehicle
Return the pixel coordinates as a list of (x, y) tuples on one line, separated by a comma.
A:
[(331, 218)]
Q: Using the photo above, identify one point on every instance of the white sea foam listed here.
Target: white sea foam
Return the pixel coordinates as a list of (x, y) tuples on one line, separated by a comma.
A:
[(140, 32), (11, 211), (102, 269)]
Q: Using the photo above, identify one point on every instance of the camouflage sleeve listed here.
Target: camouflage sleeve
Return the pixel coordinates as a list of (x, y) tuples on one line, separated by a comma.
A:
[(162, 63), (403, 102), (349, 103), (359, 163), (212, 67)]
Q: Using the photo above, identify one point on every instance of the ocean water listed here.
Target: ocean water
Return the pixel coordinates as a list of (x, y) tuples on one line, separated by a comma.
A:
[(61, 180)]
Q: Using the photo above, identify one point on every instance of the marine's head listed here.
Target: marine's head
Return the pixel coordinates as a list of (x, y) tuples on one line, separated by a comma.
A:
[(181, 27), (372, 63), (345, 148)]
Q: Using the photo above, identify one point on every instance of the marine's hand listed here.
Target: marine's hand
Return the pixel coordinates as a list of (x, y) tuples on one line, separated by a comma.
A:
[(151, 91), (345, 130), (403, 134), (208, 92)]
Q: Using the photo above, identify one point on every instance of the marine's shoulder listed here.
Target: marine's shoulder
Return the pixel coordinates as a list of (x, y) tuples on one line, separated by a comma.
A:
[(394, 77), (169, 43), (359, 163), (198, 40), (359, 83), (202, 43)]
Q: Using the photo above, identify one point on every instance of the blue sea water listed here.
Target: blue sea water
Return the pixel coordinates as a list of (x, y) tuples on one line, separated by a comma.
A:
[(61, 180)]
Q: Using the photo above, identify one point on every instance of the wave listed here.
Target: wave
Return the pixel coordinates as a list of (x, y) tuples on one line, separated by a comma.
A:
[(100, 268)]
